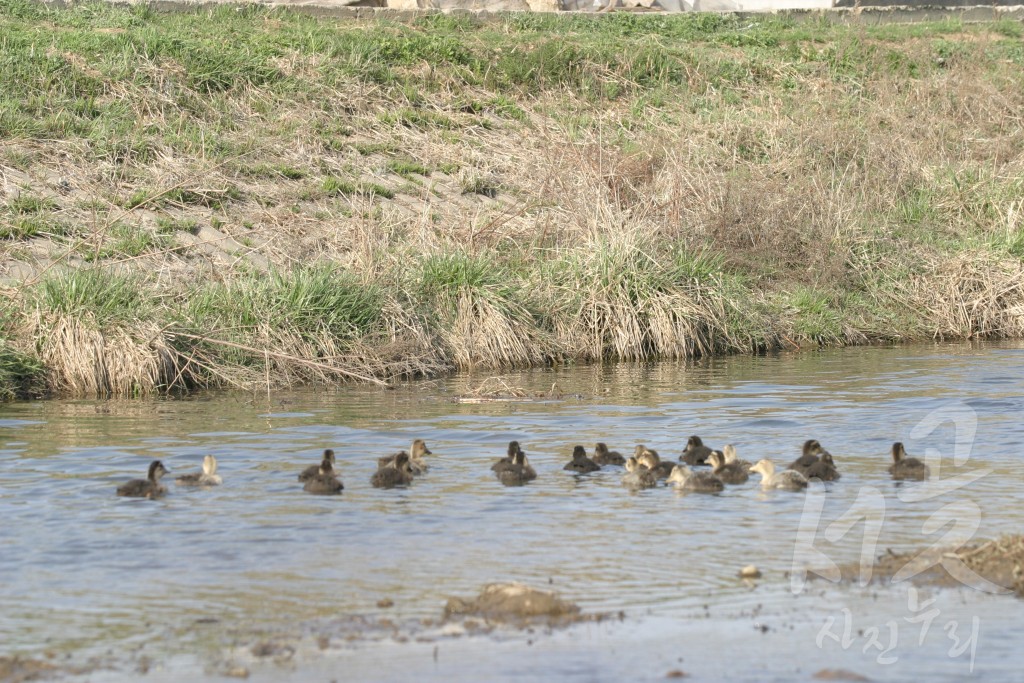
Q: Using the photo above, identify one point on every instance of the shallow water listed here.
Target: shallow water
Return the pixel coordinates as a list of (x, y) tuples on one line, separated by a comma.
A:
[(185, 585)]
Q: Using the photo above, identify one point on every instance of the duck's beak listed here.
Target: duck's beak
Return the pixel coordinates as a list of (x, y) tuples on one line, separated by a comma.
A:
[(427, 451)]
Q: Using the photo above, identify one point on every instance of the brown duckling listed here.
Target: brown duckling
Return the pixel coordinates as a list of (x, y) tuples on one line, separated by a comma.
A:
[(650, 459), (325, 482), (728, 472), (637, 476), (810, 453), (417, 465), (824, 469), (517, 472), (510, 457), (906, 468), (580, 463), (396, 473), (313, 470), (150, 487), (208, 477), (789, 480), (696, 481), (603, 456), (696, 453)]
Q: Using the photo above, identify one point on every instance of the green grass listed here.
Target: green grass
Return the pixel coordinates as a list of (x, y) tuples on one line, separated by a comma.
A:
[(99, 296), (661, 186), (22, 375)]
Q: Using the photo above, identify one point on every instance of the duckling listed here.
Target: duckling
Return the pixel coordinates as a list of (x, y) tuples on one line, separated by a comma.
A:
[(208, 477), (695, 453), (824, 469), (417, 465), (313, 470), (325, 482), (729, 456), (790, 480), (637, 476), (603, 456), (513, 448), (397, 473), (150, 487), (809, 455), (580, 463), (650, 459), (703, 481), (906, 468), (728, 472), (517, 472)]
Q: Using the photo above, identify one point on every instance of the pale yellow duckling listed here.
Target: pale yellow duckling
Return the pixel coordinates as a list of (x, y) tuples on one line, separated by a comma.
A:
[(208, 477), (789, 480)]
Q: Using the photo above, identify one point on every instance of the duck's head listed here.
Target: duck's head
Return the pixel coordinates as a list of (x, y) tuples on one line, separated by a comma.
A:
[(649, 459), (826, 458), (898, 452), (156, 470), (329, 455), (513, 448), (765, 467), (679, 474), (694, 442), (812, 447), (716, 460), (729, 452), (419, 449), (632, 464), (639, 450), (579, 453), (209, 465), (600, 449), (326, 467)]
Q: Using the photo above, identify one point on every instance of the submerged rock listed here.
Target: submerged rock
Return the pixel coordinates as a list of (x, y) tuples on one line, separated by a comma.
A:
[(514, 602)]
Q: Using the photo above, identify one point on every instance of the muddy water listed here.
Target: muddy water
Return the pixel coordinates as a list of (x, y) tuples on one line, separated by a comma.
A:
[(187, 586)]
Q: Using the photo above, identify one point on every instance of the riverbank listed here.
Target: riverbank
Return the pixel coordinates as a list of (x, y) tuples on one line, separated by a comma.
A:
[(360, 200)]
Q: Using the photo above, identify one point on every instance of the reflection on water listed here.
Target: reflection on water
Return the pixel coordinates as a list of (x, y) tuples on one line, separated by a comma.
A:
[(82, 569)]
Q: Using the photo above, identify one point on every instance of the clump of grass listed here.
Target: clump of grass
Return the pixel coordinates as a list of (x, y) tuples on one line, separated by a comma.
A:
[(481, 311), (304, 313), (28, 203), (97, 336), (124, 240), (22, 375), (334, 186), (407, 168)]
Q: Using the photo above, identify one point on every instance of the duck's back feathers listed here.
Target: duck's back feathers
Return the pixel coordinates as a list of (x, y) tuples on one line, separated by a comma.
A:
[(603, 456)]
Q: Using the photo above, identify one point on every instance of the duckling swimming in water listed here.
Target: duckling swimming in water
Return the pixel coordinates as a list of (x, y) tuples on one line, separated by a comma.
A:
[(650, 459), (824, 469), (701, 481), (417, 465), (809, 455), (517, 472), (580, 463), (208, 477), (397, 473), (325, 482), (603, 456), (696, 453), (513, 448), (313, 470), (906, 468), (790, 480), (729, 472), (637, 476), (150, 487)]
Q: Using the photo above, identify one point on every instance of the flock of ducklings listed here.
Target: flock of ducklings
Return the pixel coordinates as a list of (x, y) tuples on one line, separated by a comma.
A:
[(644, 469)]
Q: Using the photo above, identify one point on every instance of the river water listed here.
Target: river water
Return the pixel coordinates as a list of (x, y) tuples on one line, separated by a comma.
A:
[(187, 587)]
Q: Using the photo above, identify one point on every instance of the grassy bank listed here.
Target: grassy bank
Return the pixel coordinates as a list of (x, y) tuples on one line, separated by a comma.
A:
[(250, 196)]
